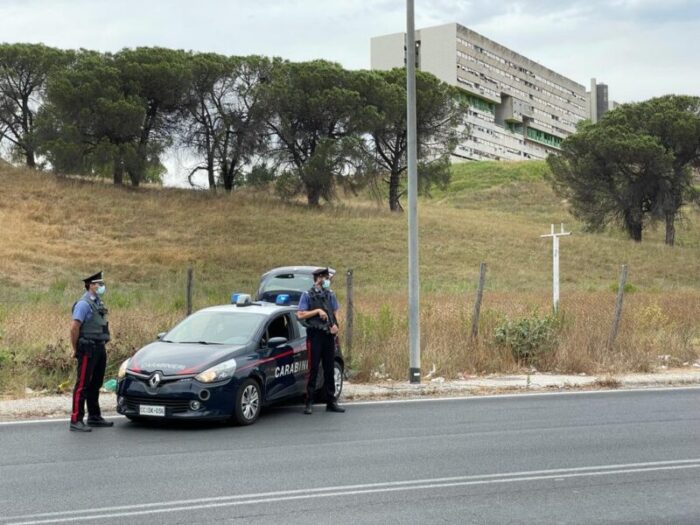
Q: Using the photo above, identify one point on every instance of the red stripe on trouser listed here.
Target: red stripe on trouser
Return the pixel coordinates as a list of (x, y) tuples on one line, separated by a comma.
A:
[(79, 391), (308, 354)]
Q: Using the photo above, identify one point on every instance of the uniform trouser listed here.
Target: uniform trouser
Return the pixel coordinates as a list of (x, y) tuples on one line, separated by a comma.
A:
[(92, 360), (320, 346)]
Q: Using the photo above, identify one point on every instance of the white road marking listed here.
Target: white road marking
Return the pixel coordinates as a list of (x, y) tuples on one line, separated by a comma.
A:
[(48, 420), (427, 399), (480, 397), (346, 490)]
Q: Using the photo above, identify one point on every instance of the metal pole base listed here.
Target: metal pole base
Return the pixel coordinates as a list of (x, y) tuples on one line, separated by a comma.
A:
[(414, 375)]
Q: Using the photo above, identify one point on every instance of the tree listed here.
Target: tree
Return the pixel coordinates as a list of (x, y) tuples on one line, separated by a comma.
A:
[(227, 114), (88, 124), (201, 119), (441, 124), (114, 113), (317, 113), (610, 174), (24, 70), (674, 121), (158, 78)]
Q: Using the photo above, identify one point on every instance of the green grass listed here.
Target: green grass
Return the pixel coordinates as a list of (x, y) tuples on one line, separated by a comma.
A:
[(468, 177)]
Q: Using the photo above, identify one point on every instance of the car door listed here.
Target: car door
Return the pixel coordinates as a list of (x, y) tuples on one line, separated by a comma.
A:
[(278, 361)]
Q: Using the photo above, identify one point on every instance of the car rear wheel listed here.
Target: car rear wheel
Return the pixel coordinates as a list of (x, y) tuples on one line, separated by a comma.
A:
[(337, 382), (338, 379), (248, 403)]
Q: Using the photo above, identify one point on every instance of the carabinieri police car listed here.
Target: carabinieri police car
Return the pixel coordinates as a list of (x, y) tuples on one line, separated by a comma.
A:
[(222, 362)]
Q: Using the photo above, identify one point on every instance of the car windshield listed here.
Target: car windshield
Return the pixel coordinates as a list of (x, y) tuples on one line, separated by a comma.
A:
[(216, 327), (287, 282)]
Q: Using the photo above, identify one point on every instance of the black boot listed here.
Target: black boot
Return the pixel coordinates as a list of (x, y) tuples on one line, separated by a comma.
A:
[(79, 426), (99, 422), (308, 410), (333, 406)]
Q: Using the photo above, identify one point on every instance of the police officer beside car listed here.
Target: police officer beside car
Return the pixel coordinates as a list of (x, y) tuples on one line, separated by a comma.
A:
[(89, 332), (317, 311)]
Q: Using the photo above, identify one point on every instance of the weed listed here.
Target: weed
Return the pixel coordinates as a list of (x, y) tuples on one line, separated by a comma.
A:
[(529, 338), (608, 382)]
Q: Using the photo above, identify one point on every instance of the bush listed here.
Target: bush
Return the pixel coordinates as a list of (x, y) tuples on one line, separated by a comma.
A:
[(529, 338), (629, 288)]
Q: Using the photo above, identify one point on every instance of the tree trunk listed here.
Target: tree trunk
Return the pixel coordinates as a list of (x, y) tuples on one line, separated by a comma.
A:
[(394, 180), (635, 231), (670, 229), (118, 173), (211, 174), (135, 177), (228, 182), (633, 225), (313, 197), (31, 162)]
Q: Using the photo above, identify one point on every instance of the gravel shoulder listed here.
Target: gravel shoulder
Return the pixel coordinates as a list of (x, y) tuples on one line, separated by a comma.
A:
[(39, 405)]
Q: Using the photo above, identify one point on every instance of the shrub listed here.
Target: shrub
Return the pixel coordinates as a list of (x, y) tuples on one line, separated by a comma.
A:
[(629, 287), (529, 338)]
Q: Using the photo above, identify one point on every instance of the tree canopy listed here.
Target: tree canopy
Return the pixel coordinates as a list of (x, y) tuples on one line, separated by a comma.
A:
[(634, 166), (441, 122), (24, 71), (307, 127)]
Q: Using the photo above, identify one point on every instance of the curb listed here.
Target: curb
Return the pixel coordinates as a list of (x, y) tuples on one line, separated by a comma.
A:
[(58, 406)]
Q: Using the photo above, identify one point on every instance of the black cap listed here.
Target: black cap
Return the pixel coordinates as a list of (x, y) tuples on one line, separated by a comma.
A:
[(97, 278), (320, 271)]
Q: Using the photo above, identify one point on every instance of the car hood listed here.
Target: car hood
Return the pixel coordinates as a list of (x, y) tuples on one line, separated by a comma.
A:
[(179, 358)]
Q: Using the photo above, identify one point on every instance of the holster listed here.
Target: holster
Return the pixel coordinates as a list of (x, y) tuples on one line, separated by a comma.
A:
[(85, 347)]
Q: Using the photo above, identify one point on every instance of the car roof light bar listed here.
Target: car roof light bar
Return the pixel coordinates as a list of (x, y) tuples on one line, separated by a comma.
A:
[(241, 299), (282, 299)]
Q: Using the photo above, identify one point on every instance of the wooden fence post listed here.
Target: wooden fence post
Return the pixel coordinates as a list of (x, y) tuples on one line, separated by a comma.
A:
[(349, 314), (477, 303), (618, 306), (189, 290)]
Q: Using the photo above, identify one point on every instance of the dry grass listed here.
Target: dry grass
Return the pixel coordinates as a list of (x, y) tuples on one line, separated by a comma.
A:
[(56, 230), (653, 325)]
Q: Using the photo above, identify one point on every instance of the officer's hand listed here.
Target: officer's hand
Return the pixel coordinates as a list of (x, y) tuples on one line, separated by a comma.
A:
[(334, 329), (323, 315)]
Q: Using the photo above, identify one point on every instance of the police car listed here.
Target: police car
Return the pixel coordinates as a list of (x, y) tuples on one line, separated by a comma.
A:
[(222, 362), (287, 280)]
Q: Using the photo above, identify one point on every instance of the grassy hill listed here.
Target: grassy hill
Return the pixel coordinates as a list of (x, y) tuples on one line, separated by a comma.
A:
[(56, 230)]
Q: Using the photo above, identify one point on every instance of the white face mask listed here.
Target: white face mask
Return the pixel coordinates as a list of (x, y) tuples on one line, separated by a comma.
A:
[(101, 289)]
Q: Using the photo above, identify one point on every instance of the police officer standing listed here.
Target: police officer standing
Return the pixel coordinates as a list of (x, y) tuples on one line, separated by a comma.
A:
[(89, 332), (317, 310)]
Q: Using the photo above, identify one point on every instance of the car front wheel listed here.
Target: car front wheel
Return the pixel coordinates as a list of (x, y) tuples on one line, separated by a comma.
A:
[(248, 403)]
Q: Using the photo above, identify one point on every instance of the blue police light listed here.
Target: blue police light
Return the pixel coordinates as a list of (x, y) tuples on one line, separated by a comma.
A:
[(282, 299), (241, 299)]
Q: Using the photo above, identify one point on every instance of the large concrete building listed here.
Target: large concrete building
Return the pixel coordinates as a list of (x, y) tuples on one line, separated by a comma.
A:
[(518, 110)]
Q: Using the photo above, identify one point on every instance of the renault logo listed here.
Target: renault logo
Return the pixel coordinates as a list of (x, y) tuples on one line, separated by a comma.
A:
[(154, 380)]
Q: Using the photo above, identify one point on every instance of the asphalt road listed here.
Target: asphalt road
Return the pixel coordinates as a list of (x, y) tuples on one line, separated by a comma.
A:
[(617, 457)]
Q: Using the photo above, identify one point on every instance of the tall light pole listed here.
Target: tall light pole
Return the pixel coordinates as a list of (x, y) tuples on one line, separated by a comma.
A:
[(412, 162)]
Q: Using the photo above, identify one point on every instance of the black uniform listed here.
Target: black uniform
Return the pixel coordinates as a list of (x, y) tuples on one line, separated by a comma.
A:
[(320, 344), (92, 360)]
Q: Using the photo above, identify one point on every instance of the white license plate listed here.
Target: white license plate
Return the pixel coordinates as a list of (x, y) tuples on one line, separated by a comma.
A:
[(151, 410)]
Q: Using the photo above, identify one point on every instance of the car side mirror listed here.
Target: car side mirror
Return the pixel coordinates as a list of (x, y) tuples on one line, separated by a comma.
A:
[(274, 342), (161, 335)]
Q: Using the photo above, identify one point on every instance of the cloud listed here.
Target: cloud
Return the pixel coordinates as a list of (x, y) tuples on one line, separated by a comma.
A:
[(641, 48)]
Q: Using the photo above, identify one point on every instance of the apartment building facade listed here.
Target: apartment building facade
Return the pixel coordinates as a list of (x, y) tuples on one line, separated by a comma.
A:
[(518, 109)]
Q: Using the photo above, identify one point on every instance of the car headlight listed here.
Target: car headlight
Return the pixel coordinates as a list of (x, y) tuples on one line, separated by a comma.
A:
[(122, 369), (219, 372)]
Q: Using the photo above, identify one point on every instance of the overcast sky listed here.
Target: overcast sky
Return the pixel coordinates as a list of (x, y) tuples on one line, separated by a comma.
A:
[(640, 48)]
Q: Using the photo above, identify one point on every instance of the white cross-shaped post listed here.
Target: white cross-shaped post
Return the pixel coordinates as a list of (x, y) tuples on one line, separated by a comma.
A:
[(555, 263)]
